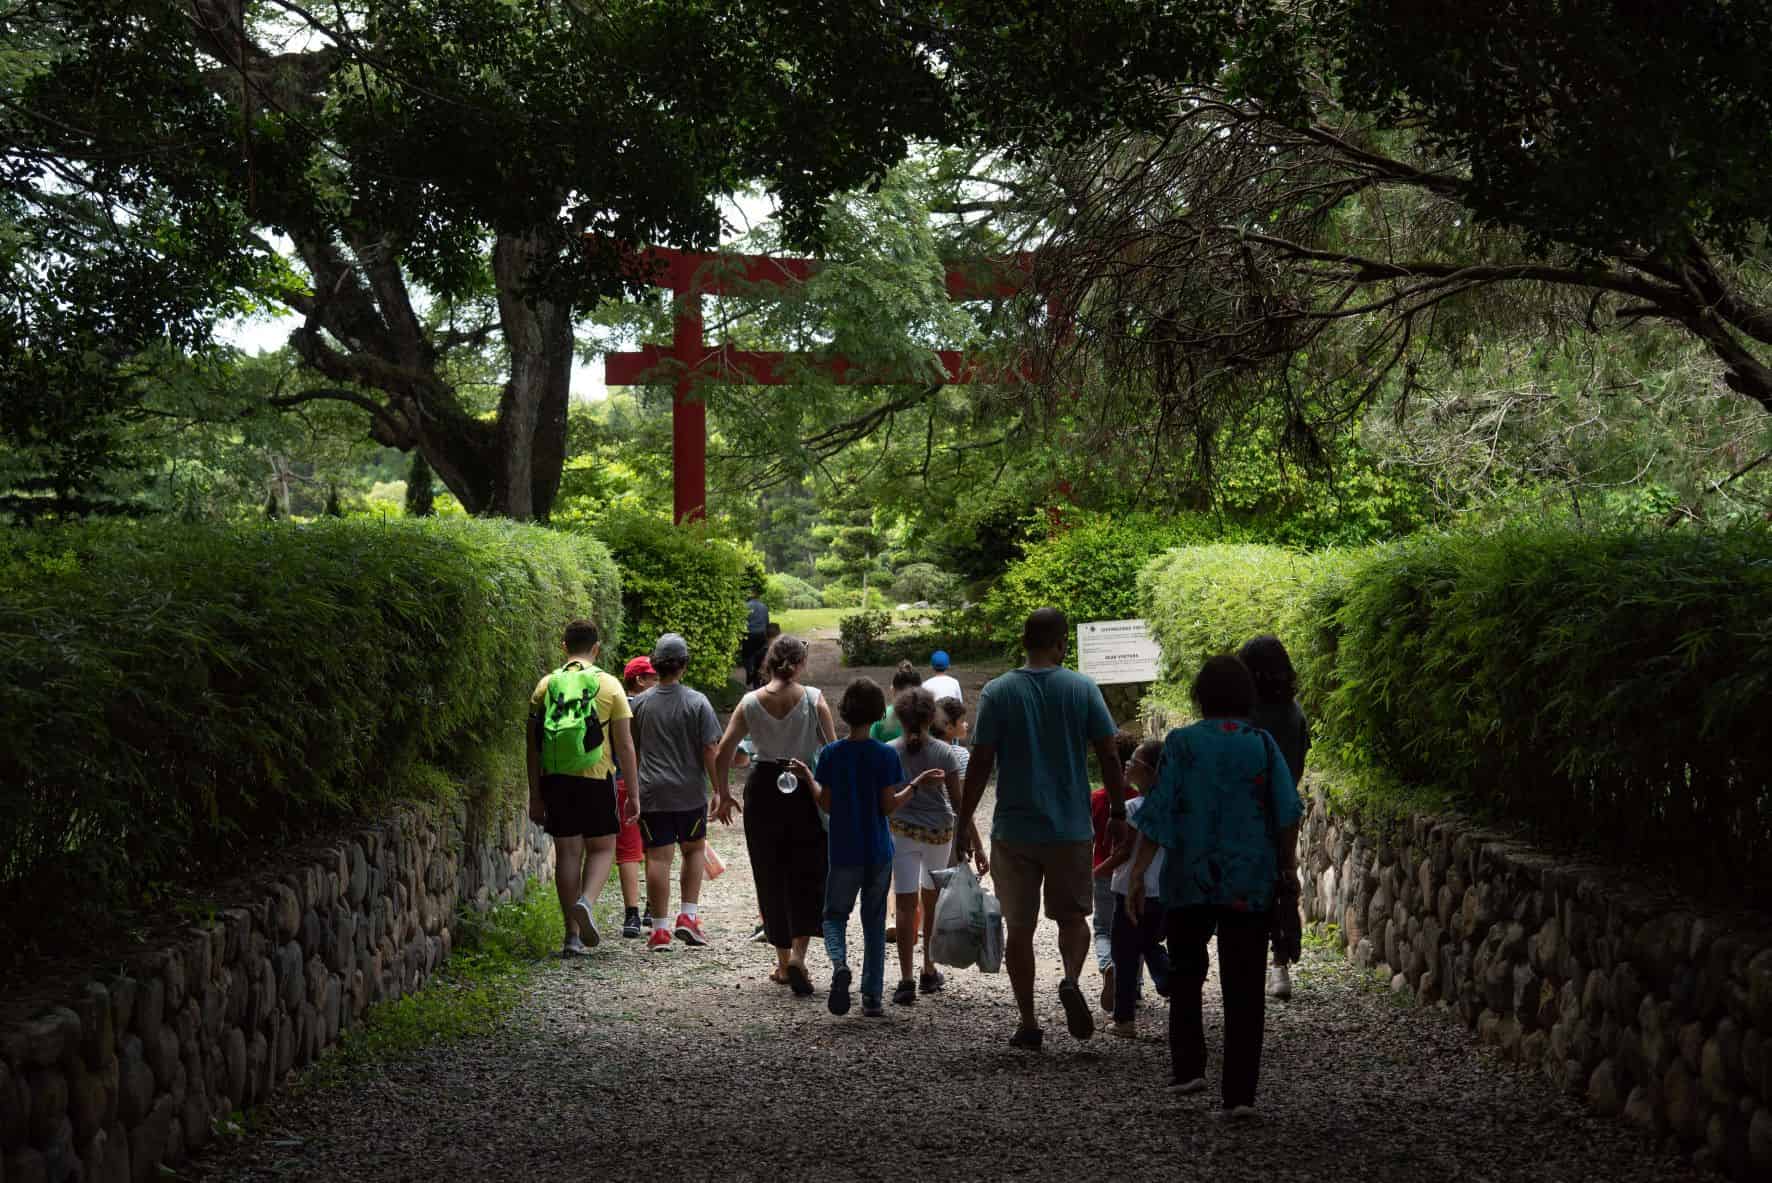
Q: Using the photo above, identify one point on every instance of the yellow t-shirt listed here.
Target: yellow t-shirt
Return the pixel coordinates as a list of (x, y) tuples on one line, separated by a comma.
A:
[(612, 704)]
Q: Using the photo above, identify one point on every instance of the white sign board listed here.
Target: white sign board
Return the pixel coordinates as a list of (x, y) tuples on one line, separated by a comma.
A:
[(1117, 651)]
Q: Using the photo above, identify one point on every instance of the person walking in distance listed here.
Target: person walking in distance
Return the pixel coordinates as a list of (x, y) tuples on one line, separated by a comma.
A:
[(756, 638), (637, 677), (942, 684), (678, 736), (783, 831), (1277, 712), (1037, 725), (579, 723), (1225, 815)]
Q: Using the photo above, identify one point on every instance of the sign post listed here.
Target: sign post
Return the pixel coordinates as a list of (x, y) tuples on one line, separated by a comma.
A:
[(1115, 652)]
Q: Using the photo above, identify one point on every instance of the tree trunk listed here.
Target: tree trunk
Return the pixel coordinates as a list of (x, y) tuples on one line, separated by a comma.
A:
[(531, 430)]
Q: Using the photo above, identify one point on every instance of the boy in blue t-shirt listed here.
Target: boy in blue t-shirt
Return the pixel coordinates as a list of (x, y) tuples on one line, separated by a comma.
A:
[(858, 782)]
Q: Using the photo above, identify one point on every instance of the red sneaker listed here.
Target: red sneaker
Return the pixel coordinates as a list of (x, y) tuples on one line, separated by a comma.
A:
[(659, 940), (689, 930)]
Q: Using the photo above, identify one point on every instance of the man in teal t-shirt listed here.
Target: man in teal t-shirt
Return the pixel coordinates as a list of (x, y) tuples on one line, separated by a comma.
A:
[(1035, 726)]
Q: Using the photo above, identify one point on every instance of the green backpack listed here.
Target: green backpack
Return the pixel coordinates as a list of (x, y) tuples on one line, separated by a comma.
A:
[(571, 733)]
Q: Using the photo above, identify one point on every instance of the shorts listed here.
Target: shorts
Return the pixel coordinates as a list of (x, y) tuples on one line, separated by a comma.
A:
[(1020, 869), (628, 846), (580, 806), (670, 827), (913, 861)]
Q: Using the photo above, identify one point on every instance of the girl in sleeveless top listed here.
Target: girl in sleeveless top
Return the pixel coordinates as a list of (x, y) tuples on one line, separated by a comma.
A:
[(784, 834)]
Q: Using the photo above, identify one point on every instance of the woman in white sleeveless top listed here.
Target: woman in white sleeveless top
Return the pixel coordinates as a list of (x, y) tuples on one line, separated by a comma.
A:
[(783, 832)]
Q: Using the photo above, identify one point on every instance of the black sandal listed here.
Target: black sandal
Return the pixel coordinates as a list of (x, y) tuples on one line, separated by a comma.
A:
[(798, 979)]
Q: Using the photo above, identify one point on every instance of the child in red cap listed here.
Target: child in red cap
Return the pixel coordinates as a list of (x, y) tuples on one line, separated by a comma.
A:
[(637, 677)]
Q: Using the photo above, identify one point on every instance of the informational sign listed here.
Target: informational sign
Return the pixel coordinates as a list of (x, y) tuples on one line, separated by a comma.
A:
[(1117, 651)]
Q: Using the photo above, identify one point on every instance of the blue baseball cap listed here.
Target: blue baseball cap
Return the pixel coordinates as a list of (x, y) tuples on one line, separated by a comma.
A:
[(939, 659)]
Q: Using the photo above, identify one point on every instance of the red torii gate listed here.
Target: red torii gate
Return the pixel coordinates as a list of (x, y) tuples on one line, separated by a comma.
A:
[(691, 275)]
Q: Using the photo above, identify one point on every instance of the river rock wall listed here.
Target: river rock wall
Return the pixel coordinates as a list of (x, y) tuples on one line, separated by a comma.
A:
[(1649, 1008), (132, 1069)]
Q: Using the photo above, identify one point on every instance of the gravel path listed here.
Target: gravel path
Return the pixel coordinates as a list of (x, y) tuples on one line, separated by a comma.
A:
[(693, 1065)]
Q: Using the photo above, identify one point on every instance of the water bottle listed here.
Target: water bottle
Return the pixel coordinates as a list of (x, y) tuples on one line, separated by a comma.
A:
[(787, 782)]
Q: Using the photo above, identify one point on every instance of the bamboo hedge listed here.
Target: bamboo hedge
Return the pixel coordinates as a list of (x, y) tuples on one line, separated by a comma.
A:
[(1607, 689), (172, 696)]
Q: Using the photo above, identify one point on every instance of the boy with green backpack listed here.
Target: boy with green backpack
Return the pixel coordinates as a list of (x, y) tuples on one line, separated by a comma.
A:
[(579, 722)]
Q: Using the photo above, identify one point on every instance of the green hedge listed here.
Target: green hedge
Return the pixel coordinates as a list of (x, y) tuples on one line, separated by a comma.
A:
[(782, 592), (1089, 571), (868, 638), (1604, 689), (174, 694), (677, 579)]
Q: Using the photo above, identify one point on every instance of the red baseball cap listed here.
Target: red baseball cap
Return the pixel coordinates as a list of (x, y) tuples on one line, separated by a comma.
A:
[(638, 667)]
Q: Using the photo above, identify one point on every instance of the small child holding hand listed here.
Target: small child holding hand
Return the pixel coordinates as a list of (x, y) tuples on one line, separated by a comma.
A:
[(858, 782)]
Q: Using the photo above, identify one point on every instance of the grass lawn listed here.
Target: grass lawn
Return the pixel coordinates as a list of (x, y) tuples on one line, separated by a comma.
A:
[(803, 620)]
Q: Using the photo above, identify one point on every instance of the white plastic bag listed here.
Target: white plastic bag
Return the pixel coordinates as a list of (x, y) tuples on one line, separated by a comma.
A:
[(959, 918), (990, 950)]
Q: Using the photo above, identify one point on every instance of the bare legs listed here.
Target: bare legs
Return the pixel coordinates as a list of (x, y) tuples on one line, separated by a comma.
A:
[(658, 878), (1018, 959), (905, 905), (630, 884), (569, 856)]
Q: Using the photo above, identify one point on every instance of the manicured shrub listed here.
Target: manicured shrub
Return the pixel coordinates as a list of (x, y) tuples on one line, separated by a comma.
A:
[(1601, 689), (1606, 687), (676, 579), (784, 592), (1089, 571), (172, 695), (868, 638), (1204, 600)]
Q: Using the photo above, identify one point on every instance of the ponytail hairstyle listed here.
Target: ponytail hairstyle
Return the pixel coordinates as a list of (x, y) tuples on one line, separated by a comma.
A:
[(916, 710), (1276, 682), (906, 677), (786, 656)]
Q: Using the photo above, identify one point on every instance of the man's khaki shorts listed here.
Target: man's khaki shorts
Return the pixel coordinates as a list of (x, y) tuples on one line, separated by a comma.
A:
[(1019, 869)]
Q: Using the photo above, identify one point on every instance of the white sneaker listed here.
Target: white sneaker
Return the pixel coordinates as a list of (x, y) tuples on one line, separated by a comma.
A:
[(573, 948), (1279, 982), (587, 923)]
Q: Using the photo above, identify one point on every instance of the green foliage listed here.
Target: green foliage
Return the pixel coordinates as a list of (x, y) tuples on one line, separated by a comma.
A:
[(925, 583), (859, 634), (1204, 600), (1090, 572), (175, 694), (868, 638), (421, 499), (677, 579), (495, 953), (782, 592), (1603, 688)]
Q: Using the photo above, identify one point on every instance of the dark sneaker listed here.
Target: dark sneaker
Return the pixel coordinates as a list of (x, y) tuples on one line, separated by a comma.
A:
[(906, 994), (1077, 1015), (759, 934), (839, 1001), (1027, 1039), (630, 924), (799, 979), (930, 981), (871, 1008)]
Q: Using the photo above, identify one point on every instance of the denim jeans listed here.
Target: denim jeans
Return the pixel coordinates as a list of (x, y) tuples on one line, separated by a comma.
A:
[(842, 886), (1138, 946), (1102, 921)]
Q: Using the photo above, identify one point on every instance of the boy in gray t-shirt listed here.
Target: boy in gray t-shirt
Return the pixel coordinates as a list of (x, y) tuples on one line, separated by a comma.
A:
[(677, 735)]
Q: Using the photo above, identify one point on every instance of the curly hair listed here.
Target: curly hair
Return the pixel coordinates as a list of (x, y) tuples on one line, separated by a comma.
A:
[(1276, 682), (916, 711), (864, 703), (786, 656), (949, 713)]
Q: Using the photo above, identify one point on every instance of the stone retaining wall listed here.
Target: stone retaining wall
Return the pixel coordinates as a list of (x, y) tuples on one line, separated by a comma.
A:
[(1645, 1006), (133, 1069)]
